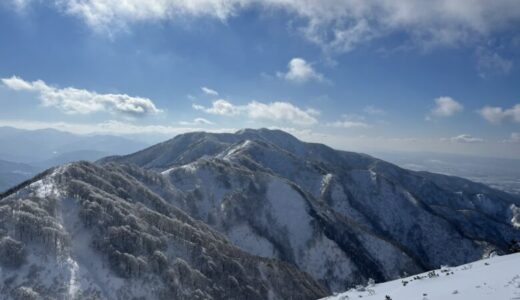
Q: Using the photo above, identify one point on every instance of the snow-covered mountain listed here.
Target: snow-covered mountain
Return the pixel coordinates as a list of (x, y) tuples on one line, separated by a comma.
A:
[(244, 215), (488, 279), (83, 231), (342, 217)]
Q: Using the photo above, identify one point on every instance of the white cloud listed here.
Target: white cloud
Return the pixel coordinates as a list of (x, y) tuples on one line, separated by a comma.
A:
[(274, 111), (78, 101), (17, 84), (209, 91), (466, 138), (196, 121), (335, 25), (492, 114), (300, 71), (446, 107), (103, 14), (498, 114), (220, 107), (281, 111)]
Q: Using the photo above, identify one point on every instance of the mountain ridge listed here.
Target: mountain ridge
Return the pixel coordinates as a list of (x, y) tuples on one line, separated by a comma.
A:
[(307, 165)]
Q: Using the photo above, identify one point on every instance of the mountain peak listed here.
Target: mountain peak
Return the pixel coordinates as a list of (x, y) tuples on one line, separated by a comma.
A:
[(264, 132), (187, 147)]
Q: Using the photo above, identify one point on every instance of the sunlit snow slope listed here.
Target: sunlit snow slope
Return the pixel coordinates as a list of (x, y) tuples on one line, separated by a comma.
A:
[(496, 278)]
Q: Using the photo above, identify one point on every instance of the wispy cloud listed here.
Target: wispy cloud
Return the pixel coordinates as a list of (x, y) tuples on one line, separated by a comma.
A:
[(492, 63), (465, 138), (372, 110), (446, 107), (497, 114), (209, 91), (274, 111), (20, 5), (300, 71), (79, 101), (196, 121), (349, 124), (350, 121)]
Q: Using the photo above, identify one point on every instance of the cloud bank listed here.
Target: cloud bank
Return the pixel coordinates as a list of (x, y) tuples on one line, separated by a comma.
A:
[(78, 101)]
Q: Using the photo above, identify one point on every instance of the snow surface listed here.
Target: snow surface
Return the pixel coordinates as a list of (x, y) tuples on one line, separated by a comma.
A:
[(248, 240), (515, 220), (227, 155), (496, 278), (46, 187), (290, 210)]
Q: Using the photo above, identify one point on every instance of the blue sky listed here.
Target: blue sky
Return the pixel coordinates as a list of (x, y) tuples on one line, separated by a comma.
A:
[(366, 76)]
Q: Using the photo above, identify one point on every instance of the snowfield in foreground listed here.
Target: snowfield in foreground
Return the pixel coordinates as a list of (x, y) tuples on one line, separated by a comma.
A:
[(496, 278)]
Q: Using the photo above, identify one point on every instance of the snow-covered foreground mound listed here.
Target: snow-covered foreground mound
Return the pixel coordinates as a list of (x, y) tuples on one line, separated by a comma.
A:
[(496, 278)]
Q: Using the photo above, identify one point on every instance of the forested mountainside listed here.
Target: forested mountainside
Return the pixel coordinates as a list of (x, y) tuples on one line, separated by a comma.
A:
[(83, 231)]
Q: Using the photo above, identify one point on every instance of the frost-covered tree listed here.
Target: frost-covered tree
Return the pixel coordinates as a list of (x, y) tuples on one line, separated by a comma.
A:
[(12, 252)]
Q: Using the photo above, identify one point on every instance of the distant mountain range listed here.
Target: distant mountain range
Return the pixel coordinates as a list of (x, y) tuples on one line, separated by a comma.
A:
[(26, 152), (13, 173), (27, 146), (500, 173), (256, 214)]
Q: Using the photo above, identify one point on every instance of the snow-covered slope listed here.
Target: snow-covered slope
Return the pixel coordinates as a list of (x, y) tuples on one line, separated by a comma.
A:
[(496, 278), (83, 231), (342, 217)]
